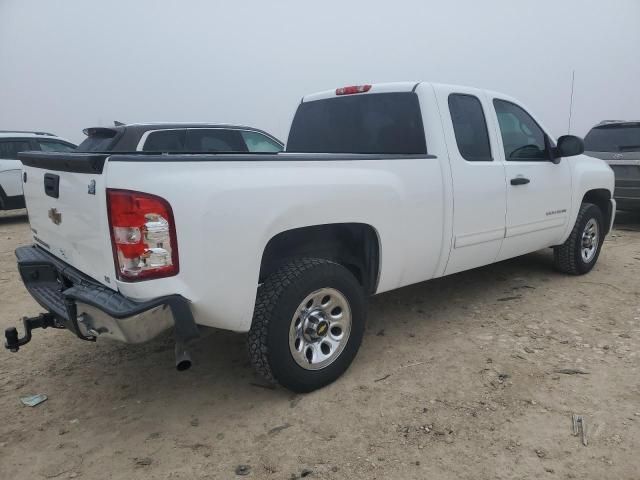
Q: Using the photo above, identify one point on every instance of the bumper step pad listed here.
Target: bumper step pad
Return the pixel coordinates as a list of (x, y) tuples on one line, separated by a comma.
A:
[(57, 287)]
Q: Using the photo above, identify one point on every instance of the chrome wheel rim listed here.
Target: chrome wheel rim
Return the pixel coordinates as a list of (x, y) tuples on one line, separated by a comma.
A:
[(590, 240), (320, 329)]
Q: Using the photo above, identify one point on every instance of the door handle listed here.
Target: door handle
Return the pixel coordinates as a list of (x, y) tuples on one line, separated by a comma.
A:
[(519, 181)]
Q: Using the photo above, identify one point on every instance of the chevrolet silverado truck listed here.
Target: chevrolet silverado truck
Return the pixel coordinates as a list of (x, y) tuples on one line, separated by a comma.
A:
[(380, 186)]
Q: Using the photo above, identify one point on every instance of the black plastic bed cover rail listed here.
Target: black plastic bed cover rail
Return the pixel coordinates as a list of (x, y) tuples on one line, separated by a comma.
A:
[(94, 162), (43, 274), (64, 161), (264, 157)]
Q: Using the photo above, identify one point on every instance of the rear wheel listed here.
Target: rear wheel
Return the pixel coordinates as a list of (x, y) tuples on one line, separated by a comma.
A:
[(579, 253), (308, 324)]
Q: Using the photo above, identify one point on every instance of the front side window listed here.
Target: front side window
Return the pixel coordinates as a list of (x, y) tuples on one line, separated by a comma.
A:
[(214, 140), (470, 128), (9, 148), (51, 146), (257, 142), (522, 137), (165, 141)]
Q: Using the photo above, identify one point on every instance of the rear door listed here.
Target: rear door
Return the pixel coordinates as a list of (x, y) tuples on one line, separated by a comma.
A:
[(478, 178), (66, 200), (538, 189)]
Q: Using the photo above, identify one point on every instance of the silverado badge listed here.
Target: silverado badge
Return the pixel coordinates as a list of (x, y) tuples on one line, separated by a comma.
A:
[(55, 216)]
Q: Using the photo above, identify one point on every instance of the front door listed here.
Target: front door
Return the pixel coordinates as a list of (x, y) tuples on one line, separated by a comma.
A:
[(538, 188), (478, 180)]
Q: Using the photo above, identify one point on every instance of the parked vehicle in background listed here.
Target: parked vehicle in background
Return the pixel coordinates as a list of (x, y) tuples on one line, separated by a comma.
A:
[(12, 142), (288, 246), (618, 143), (179, 138)]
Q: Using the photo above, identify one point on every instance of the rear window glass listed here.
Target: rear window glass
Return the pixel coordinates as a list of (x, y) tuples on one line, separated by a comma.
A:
[(385, 123), (98, 141), (613, 138)]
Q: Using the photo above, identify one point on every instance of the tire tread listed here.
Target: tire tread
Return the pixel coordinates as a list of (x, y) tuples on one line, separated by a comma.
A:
[(565, 255), (266, 300)]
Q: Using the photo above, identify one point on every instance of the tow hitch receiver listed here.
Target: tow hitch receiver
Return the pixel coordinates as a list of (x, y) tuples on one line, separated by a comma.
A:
[(44, 320)]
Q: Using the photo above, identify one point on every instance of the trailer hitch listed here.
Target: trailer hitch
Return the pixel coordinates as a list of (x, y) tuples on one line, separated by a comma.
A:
[(44, 320)]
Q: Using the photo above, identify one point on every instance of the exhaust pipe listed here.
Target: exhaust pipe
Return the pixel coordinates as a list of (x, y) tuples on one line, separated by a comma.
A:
[(183, 357)]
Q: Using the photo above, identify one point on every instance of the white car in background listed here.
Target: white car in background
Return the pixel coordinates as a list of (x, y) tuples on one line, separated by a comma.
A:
[(12, 142)]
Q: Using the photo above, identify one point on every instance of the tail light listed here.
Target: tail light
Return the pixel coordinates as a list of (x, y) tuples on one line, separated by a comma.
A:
[(143, 235), (353, 89)]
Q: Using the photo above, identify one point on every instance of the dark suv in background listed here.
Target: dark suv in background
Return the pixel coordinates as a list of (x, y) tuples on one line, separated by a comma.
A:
[(618, 143), (178, 138)]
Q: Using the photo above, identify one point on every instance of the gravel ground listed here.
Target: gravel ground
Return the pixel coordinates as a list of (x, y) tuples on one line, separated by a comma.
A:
[(457, 378)]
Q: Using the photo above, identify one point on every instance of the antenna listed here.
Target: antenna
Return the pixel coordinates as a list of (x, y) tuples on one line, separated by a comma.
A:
[(573, 81)]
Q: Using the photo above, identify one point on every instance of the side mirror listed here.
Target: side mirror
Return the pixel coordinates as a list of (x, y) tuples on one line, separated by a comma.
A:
[(568, 146)]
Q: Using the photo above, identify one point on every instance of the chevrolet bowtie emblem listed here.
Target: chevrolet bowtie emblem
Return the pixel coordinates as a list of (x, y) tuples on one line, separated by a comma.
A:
[(55, 216)]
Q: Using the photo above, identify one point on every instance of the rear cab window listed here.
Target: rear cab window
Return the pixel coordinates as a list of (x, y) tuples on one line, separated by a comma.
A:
[(620, 137), (373, 123)]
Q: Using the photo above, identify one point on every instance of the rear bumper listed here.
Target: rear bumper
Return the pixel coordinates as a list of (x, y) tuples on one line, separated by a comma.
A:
[(91, 310)]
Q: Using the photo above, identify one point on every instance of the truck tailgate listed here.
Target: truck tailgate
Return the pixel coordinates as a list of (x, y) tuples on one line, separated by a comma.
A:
[(66, 202)]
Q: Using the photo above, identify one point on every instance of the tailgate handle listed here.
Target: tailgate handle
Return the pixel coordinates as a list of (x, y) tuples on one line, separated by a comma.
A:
[(52, 185)]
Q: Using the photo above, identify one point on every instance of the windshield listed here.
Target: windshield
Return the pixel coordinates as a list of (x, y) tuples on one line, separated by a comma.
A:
[(614, 138), (384, 123)]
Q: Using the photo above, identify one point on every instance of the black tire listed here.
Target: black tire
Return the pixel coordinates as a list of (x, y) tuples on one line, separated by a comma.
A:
[(278, 299), (567, 257)]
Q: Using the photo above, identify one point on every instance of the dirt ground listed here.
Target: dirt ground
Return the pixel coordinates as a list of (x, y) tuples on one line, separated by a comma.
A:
[(457, 378)]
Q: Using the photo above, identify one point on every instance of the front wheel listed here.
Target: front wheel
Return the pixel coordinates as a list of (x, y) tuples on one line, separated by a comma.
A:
[(579, 253), (308, 324)]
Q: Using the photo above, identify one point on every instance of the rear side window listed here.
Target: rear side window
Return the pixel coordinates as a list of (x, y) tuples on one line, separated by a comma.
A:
[(470, 128), (214, 140), (51, 146), (614, 138), (9, 148), (165, 141), (385, 123), (257, 142)]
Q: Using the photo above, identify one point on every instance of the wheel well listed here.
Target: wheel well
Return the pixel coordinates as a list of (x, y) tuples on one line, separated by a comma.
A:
[(353, 245), (601, 197)]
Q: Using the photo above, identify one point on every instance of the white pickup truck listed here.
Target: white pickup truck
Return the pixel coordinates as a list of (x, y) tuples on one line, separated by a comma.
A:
[(380, 186)]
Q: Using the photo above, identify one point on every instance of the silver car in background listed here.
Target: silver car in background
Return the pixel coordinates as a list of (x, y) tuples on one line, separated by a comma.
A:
[(618, 143)]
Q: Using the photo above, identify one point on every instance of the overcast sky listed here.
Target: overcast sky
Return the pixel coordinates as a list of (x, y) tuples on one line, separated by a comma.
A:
[(66, 65)]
